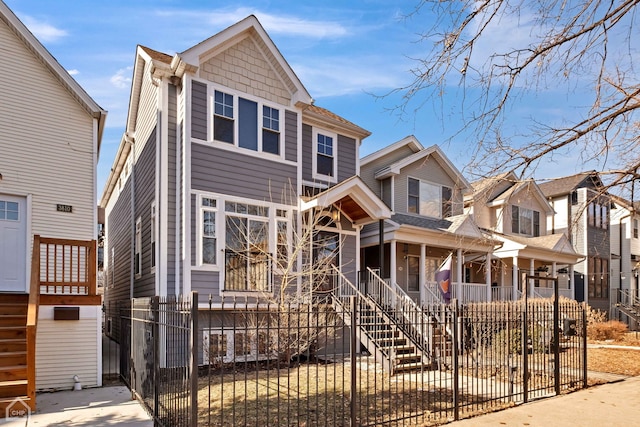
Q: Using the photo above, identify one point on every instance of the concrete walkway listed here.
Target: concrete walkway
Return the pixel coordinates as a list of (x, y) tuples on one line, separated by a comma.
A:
[(612, 405), (95, 407)]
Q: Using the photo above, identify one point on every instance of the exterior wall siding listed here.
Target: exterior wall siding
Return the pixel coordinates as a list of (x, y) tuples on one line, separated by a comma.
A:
[(68, 348), (173, 216), (205, 283), (46, 145), (119, 231), (144, 178), (291, 136), (244, 68), (307, 152), (147, 112), (346, 157), (229, 172), (199, 110)]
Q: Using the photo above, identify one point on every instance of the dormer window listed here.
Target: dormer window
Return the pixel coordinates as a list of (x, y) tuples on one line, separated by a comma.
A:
[(525, 221), (429, 199)]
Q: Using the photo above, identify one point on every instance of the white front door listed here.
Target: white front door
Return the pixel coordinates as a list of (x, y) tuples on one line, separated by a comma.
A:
[(13, 243)]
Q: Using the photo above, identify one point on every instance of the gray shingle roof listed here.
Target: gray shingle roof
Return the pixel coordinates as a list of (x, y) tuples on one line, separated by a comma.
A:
[(567, 184)]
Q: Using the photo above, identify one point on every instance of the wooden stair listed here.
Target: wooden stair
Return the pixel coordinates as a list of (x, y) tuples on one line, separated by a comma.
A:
[(13, 350)]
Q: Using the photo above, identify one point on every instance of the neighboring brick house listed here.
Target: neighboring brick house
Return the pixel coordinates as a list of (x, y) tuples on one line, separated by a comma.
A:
[(515, 213), (582, 210), (224, 159)]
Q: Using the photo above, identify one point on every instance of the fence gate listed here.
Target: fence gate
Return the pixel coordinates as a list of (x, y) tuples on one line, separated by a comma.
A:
[(162, 369)]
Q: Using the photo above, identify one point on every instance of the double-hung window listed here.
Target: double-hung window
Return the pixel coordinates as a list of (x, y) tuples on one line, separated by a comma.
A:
[(525, 221), (324, 155), (152, 224), (137, 259), (635, 228), (209, 235), (270, 130), (246, 123), (223, 118), (428, 199)]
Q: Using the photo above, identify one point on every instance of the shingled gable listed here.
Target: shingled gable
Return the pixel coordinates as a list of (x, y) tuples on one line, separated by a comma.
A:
[(528, 185), (434, 151), (249, 27), (68, 82)]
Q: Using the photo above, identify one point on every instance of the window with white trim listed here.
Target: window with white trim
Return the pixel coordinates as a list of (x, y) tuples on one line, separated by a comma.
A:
[(246, 123), (137, 260), (325, 155), (209, 209), (153, 234), (635, 228), (525, 221), (235, 346), (427, 199)]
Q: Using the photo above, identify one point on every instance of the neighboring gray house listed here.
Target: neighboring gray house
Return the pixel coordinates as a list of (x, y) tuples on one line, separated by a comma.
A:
[(424, 191), (515, 212), (582, 213), (224, 161)]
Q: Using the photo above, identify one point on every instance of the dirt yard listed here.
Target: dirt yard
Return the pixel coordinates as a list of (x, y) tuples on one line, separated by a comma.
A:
[(615, 360)]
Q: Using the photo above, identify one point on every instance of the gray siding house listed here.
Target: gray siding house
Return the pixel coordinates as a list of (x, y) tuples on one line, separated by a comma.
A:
[(582, 211), (424, 191), (225, 166)]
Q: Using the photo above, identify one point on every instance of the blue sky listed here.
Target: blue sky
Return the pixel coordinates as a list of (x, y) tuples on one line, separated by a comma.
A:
[(345, 53)]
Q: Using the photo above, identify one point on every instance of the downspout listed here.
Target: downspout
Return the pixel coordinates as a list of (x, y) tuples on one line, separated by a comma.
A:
[(131, 140), (620, 227)]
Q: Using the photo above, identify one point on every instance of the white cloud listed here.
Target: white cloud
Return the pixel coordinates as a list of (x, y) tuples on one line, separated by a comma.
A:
[(73, 72), (43, 31), (352, 75), (274, 24), (122, 78)]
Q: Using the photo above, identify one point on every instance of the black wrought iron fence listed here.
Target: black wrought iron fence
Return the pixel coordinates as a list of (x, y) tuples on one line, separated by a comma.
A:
[(307, 364)]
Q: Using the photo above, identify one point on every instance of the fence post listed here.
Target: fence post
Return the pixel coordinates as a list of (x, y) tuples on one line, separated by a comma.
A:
[(352, 355), (155, 331), (556, 336), (584, 345), (525, 350), (193, 365), (456, 369)]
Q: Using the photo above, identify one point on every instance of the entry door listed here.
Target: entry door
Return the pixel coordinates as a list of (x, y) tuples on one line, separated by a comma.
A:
[(13, 238)]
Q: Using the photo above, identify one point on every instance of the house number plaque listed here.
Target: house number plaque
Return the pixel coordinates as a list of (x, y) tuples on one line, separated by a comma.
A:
[(64, 208)]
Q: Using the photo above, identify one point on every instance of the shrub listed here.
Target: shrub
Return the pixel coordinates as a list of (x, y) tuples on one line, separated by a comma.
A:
[(611, 330), (511, 339)]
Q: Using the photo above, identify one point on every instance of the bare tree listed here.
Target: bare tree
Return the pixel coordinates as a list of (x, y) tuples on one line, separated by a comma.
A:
[(498, 51), (293, 315)]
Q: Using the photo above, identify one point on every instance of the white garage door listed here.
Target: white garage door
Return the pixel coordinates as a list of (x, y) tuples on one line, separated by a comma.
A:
[(13, 237)]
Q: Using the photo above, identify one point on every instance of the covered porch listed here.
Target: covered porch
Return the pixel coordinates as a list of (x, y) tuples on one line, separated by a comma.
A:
[(414, 248)]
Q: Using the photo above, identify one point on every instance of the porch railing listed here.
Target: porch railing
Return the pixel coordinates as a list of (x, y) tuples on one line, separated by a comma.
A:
[(503, 293), (469, 292), (67, 267)]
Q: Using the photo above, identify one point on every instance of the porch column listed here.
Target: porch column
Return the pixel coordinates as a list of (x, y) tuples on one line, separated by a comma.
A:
[(572, 285), (422, 279), (487, 273), (530, 282), (514, 277), (459, 263), (554, 269), (393, 267)]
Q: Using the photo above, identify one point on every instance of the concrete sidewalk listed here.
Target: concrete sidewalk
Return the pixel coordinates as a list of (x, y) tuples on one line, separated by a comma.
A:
[(96, 407), (612, 405)]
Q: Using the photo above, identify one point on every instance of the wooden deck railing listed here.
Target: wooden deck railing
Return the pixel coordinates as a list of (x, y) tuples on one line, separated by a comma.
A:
[(63, 272), (32, 322), (67, 272)]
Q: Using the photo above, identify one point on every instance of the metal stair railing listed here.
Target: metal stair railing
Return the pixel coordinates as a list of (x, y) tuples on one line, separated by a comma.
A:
[(417, 324), (345, 290), (629, 304)]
